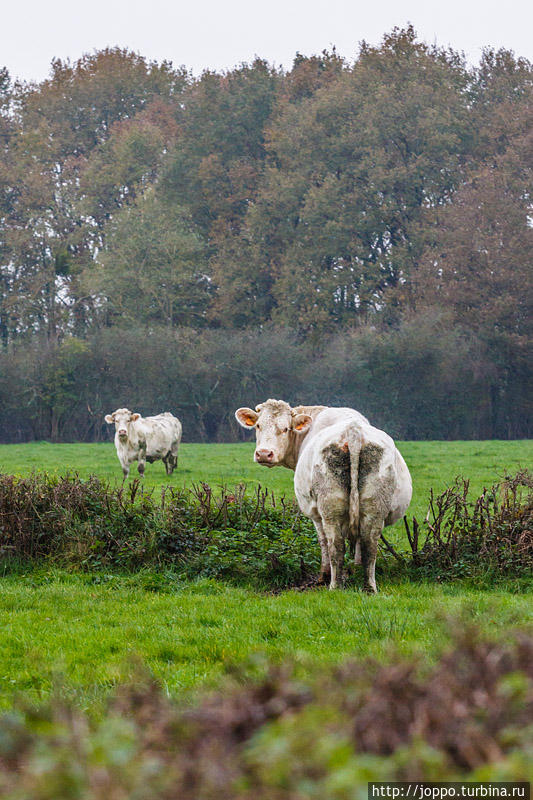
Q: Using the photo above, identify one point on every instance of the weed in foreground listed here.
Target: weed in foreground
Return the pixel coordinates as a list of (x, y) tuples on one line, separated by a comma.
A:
[(468, 717)]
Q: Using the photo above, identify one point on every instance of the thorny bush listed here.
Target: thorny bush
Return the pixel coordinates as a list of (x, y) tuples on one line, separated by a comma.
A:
[(461, 537)]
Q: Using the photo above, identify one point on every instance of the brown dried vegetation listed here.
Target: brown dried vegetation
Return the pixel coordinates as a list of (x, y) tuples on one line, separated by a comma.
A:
[(459, 535), (271, 736)]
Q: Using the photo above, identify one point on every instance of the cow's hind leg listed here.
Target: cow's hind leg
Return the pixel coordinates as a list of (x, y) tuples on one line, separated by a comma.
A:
[(371, 527), (174, 455), (335, 539), (333, 511), (169, 463), (325, 566), (334, 520), (375, 497)]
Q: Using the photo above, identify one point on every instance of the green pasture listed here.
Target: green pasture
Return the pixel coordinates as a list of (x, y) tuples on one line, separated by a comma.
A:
[(82, 633)]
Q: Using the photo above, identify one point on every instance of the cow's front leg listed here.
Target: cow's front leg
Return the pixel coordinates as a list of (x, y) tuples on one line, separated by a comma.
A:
[(125, 469), (141, 458), (325, 566)]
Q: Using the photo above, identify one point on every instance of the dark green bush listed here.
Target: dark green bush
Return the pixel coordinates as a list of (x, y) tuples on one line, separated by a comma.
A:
[(90, 525)]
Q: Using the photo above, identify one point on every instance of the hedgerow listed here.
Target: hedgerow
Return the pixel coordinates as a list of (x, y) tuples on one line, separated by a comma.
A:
[(90, 525), (254, 538), (461, 537)]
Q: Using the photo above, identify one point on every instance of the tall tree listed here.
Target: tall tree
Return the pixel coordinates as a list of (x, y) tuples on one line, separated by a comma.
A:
[(153, 268), (8, 130), (50, 238), (479, 270), (480, 264), (353, 170), (217, 159)]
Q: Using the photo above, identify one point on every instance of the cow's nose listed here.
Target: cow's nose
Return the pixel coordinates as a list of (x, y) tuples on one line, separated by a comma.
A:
[(264, 456), (122, 433)]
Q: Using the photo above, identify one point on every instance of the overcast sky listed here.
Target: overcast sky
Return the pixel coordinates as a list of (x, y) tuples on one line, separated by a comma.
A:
[(218, 34)]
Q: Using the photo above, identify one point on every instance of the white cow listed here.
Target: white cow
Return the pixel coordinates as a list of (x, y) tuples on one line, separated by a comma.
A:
[(145, 439), (349, 478)]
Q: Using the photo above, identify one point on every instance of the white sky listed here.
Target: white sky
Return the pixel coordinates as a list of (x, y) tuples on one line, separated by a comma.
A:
[(219, 34)]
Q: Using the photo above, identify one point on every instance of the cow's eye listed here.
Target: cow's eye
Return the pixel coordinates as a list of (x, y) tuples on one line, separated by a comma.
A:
[(258, 428), (285, 430)]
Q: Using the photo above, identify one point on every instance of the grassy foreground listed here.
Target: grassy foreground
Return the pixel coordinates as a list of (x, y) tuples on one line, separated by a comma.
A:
[(80, 632)]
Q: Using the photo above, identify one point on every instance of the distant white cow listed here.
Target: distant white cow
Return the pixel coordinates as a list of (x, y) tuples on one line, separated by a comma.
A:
[(349, 477), (145, 439)]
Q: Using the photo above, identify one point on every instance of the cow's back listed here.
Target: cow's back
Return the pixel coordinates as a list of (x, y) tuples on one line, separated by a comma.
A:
[(324, 463), (161, 432)]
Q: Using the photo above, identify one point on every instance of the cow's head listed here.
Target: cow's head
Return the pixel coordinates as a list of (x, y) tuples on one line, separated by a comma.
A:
[(122, 418), (277, 426)]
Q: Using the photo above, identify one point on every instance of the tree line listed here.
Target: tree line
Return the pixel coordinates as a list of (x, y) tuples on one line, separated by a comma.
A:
[(351, 232)]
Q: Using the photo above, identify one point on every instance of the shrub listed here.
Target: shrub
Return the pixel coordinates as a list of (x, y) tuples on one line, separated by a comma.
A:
[(88, 524), (461, 537)]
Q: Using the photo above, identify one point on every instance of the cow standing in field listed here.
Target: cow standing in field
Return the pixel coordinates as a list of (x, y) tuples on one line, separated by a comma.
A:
[(145, 439), (349, 478)]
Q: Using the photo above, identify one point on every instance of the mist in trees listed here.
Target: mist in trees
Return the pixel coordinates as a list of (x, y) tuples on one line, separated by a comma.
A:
[(354, 233)]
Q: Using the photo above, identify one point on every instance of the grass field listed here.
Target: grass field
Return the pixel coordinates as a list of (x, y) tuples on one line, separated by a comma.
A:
[(80, 631), (69, 631)]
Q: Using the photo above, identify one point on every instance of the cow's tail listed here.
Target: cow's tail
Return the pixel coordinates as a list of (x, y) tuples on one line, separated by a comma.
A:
[(354, 448)]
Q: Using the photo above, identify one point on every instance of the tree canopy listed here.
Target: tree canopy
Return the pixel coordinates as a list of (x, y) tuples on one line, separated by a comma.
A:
[(333, 205)]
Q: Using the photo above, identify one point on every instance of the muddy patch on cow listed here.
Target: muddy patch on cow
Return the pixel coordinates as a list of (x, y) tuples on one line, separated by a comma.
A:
[(369, 461), (337, 461)]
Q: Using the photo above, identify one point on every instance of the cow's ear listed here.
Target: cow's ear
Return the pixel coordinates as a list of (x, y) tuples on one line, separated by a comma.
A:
[(246, 417), (134, 417), (301, 423), (109, 418)]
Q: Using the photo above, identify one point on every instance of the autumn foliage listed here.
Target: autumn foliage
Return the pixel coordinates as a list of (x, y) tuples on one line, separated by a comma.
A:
[(340, 206)]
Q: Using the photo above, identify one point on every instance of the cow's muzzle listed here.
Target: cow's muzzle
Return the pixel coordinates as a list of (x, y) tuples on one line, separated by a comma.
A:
[(264, 457), (123, 434)]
